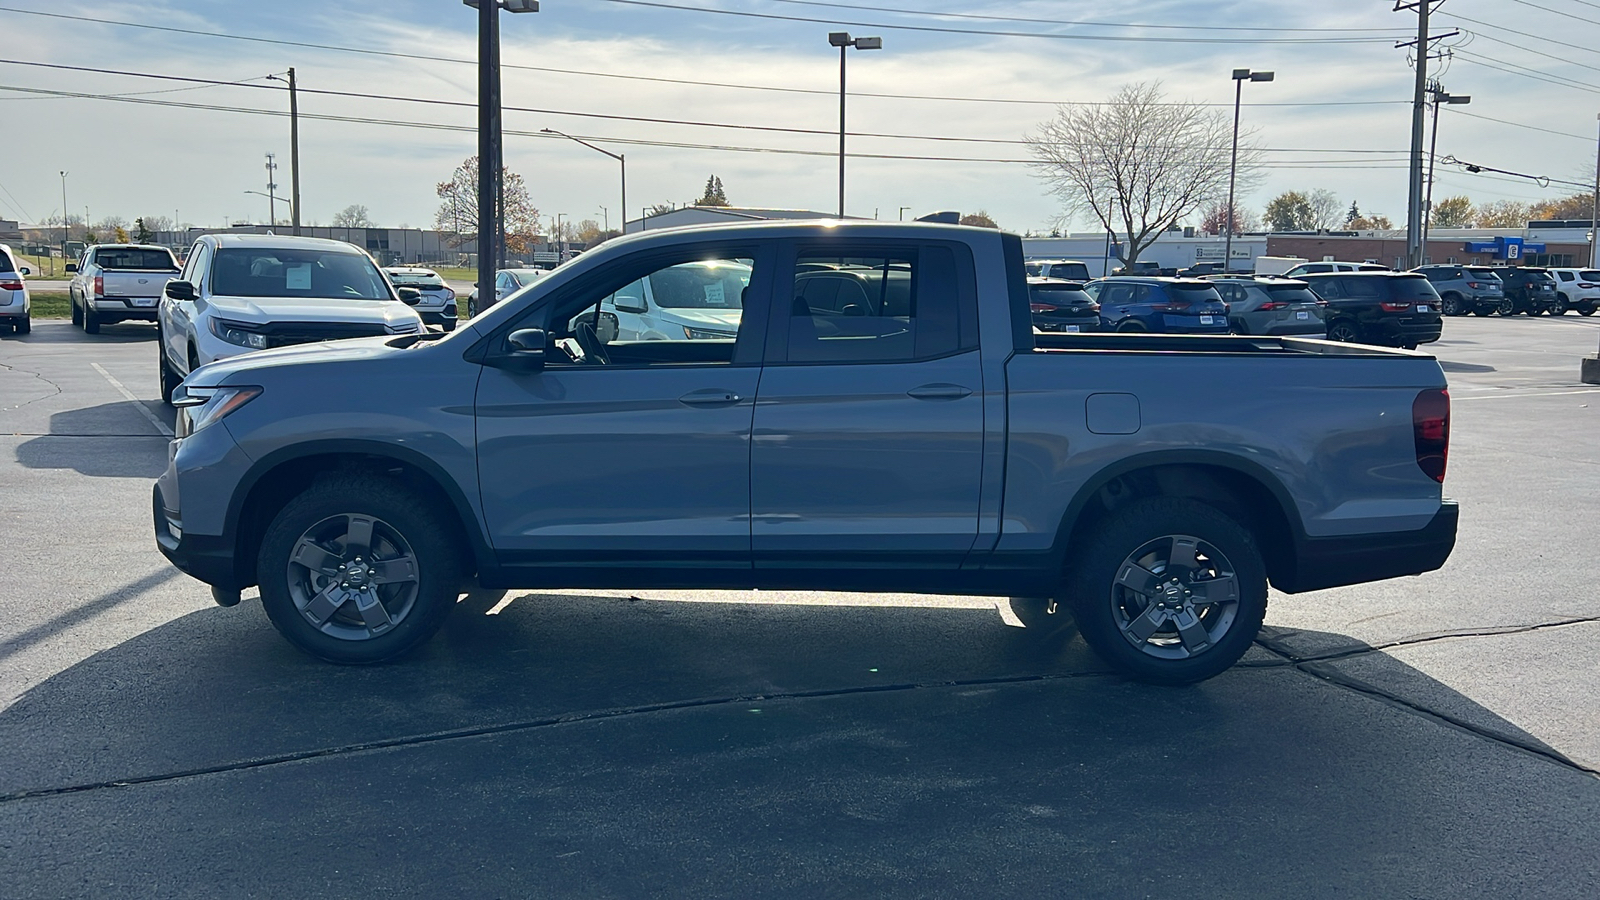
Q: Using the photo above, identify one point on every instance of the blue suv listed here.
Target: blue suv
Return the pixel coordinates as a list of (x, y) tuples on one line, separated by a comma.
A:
[(1159, 305)]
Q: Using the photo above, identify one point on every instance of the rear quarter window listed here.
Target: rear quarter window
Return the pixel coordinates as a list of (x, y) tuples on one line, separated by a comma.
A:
[(1410, 287)]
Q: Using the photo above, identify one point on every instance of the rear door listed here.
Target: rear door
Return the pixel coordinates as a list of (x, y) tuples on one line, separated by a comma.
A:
[(867, 445)]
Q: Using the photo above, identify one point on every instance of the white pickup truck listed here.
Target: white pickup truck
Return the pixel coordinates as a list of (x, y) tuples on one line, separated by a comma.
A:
[(119, 282)]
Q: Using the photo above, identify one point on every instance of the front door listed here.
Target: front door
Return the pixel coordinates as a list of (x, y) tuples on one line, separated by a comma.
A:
[(868, 436), (631, 454)]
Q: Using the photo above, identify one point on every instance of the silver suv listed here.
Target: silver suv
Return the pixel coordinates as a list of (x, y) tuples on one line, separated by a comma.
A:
[(1465, 289)]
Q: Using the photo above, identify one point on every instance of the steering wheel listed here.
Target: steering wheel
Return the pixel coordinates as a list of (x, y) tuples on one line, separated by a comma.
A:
[(594, 352)]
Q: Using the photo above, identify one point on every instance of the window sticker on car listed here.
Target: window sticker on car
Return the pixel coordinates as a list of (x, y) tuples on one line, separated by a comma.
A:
[(297, 278), (714, 294)]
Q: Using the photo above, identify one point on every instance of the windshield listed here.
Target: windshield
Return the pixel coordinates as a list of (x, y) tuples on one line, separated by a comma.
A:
[(427, 281), (701, 285), (1034, 270), (1289, 293), (1411, 286), (293, 272), (134, 259), (1483, 273)]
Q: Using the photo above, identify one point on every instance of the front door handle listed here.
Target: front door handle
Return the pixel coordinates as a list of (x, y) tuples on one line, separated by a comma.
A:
[(939, 392), (710, 397)]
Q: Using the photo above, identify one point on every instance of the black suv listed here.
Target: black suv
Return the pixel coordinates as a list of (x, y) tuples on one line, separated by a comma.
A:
[(1398, 309), (1061, 305), (1529, 289)]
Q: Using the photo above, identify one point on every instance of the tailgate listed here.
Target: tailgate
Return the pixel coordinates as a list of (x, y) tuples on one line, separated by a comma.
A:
[(129, 283)]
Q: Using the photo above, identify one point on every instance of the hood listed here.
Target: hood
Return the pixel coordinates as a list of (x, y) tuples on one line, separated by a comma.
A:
[(238, 369), (294, 309), (718, 319)]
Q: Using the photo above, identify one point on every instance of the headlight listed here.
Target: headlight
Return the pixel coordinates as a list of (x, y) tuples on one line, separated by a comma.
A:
[(700, 334), (239, 334), (199, 407)]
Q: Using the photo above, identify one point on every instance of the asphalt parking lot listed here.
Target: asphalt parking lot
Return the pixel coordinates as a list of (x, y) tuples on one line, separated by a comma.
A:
[(1426, 737)]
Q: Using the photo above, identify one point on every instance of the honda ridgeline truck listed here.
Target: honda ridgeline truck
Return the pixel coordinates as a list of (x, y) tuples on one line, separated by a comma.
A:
[(916, 435)]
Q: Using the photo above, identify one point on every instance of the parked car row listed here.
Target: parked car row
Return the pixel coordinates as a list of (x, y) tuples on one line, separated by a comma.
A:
[(1509, 290), (15, 308)]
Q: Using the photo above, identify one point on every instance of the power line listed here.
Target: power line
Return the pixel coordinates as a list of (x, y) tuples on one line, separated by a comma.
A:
[(1477, 59), (435, 126), (1588, 139), (206, 82), (951, 15), (364, 51), (1559, 12), (1550, 56), (1537, 37), (1135, 39)]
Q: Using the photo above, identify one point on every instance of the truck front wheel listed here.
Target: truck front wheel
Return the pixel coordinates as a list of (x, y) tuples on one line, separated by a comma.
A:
[(1168, 590), (358, 570)]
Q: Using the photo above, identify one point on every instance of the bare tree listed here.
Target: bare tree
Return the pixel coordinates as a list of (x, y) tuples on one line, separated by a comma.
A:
[(1138, 163), (458, 208), (353, 216), (1326, 210)]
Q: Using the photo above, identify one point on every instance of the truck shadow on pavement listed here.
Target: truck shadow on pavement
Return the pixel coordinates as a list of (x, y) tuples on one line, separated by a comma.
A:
[(618, 747), (112, 440), (120, 333)]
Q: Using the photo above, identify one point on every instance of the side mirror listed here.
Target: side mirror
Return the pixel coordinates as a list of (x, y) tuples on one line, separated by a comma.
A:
[(72, 267), (409, 296), (631, 304), (527, 346), (608, 328), (180, 290), (25, 270)]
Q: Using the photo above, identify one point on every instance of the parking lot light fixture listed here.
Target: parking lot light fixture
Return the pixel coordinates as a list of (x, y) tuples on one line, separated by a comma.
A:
[(842, 40), (1439, 96), (1240, 76), (621, 159)]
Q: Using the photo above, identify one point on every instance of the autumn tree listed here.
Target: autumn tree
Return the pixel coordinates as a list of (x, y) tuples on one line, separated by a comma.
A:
[(352, 216), (1504, 214), (458, 208), (1290, 211), (1577, 206), (1138, 163), (980, 218), (1453, 212), (1373, 222), (714, 195), (1216, 219)]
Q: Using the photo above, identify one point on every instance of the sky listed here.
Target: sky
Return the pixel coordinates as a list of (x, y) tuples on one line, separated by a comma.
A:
[(1337, 116)]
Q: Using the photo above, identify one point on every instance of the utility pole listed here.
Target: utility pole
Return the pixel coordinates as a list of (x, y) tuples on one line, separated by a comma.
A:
[(64, 234), (1418, 109), (1594, 210), (272, 191), (294, 151)]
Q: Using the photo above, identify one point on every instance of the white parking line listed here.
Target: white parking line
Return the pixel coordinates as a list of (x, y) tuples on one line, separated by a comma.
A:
[(128, 395)]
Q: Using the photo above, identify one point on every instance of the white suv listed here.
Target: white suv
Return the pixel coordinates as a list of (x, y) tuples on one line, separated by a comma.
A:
[(244, 292), (1577, 289), (15, 312), (1317, 268), (696, 301)]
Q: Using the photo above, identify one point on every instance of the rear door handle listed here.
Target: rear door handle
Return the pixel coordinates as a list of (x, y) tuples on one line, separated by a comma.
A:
[(939, 392), (710, 397)]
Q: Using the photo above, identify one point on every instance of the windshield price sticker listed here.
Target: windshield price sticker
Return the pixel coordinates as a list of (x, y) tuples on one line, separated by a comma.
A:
[(297, 278), (715, 295)]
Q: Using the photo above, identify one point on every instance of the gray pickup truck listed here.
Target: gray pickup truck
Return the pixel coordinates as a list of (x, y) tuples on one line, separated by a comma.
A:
[(119, 282), (873, 412)]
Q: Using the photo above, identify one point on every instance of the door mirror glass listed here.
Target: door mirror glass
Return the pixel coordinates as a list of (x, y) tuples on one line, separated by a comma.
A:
[(25, 270), (607, 330), (180, 290), (72, 267), (410, 296)]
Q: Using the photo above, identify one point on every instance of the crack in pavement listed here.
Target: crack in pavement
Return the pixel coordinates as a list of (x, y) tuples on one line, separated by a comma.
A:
[(1427, 638), (37, 375), (455, 734), (1307, 665)]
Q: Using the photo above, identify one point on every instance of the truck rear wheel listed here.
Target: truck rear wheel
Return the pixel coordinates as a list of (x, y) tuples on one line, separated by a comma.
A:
[(77, 311), (91, 320), (1168, 590), (358, 570)]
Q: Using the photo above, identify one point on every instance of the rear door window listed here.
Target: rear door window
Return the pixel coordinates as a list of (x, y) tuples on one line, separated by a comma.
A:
[(895, 305)]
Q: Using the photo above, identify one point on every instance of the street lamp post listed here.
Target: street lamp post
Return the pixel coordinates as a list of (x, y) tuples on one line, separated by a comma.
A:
[(64, 234), (1439, 96), (1594, 211), (490, 207), (842, 40), (272, 200), (1240, 76), (622, 161)]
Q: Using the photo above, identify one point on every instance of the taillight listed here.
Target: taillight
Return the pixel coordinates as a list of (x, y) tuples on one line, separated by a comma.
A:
[(1387, 306), (10, 285), (1094, 307), (1041, 307), (1271, 305), (99, 285), (449, 295), (1430, 425)]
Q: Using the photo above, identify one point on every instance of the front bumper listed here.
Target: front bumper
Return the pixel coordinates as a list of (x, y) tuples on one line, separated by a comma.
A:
[(1356, 559), (189, 507), (209, 558)]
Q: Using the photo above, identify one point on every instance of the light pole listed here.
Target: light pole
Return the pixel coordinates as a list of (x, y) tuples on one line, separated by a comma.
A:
[(1439, 96), (842, 40), (903, 212), (1240, 76), (294, 144), (490, 207), (1594, 211), (64, 207), (272, 199), (605, 218), (622, 161)]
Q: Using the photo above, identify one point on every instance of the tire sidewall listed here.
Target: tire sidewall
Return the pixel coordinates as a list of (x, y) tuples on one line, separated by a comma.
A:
[(1093, 569), (438, 563)]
